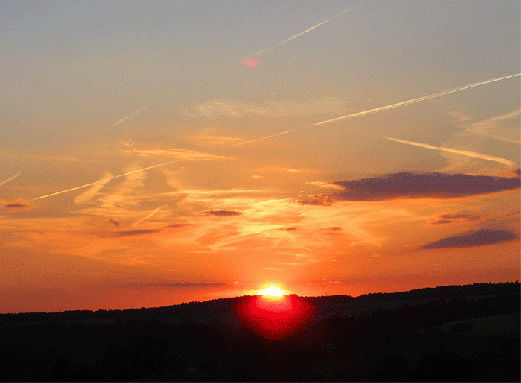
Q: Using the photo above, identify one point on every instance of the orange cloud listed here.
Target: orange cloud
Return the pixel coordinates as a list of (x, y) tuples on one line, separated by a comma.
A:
[(233, 109), (215, 140), (180, 154)]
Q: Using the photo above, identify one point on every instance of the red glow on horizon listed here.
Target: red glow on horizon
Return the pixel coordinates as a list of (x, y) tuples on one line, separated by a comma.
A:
[(275, 317)]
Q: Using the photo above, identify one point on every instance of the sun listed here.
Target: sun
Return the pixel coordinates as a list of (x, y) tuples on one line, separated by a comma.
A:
[(272, 291)]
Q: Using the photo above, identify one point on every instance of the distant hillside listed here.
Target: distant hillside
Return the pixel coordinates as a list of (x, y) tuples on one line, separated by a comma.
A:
[(449, 333), (326, 305)]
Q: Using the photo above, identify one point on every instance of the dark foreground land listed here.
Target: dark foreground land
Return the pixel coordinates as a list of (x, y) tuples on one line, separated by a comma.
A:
[(451, 333)]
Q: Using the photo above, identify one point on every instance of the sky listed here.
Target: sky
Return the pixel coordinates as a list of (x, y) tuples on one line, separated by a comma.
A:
[(159, 152)]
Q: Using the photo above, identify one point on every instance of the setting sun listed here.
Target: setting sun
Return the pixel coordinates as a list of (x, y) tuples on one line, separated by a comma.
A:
[(272, 291)]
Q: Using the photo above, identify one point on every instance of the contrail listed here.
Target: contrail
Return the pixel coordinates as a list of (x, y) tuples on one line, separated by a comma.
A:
[(384, 108), (147, 216), (258, 53), (105, 180), (9, 179), (137, 111), (456, 151), (87, 195)]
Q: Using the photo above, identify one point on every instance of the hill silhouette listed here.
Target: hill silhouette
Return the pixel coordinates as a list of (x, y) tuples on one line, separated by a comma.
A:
[(447, 333)]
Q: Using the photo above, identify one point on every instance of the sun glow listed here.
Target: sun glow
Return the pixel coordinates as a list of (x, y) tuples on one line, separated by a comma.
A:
[(272, 291), (275, 314)]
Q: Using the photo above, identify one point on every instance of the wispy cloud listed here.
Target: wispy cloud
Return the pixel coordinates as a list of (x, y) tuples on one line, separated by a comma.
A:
[(134, 113), (503, 128), (222, 213), (210, 140), (148, 216), (384, 108), (445, 219), (220, 109), (132, 233), (94, 190), (104, 180), (196, 284), (467, 153), (179, 154), (325, 185)]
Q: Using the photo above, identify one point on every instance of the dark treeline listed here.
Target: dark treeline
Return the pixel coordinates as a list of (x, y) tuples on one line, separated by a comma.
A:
[(226, 305), (472, 334)]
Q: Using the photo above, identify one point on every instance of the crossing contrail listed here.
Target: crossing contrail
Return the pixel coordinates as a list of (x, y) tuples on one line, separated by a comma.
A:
[(9, 179), (467, 153), (137, 111), (258, 53), (104, 180), (352, 115), (139, 221), (384, 108)]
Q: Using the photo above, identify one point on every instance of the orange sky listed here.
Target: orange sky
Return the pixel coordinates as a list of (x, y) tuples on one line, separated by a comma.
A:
[(145, 164)]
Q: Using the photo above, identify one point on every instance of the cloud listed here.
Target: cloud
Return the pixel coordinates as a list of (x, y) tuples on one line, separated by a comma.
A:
[(179, 154), (93, 190), (501, 128), (292, 170), (205, 139), (474, 238), (131, 233), (466, 153), (148, 216), (222, 213), (317, 199), (414, 185), (15, 205), (104, 180), (226, 109), (196, 284), (451, 218), (178, 225), (384, 108), (325, 185), (334, 228)]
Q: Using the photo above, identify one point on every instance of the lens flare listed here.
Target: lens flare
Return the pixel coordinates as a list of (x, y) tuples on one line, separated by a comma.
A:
[(275, 317)]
